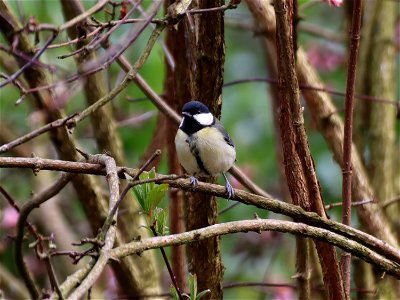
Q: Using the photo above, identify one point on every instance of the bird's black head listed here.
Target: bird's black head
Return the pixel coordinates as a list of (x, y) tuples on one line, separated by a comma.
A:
[(196, 116), (194, 108)]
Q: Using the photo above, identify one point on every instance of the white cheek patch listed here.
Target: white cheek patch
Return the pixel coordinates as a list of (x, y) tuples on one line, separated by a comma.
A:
[(204, 119)]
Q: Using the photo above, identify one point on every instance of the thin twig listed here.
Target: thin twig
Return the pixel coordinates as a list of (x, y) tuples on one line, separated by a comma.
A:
[(224, 7), (52, 276), (128, 78), (390, 202), (228, 208), (268, 203), (14, 204), (35, 133), (108, 237), (355, 203), (25, 57), (26, 209), (108, 221), (103, 38), (230, 285), (304, 86), (95, 8), (30, 62), (170, 272), (348, 132)]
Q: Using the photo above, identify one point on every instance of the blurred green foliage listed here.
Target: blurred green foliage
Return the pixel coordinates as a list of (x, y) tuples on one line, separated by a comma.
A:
[(246, 113)]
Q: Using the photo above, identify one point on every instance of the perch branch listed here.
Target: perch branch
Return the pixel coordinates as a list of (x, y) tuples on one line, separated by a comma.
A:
[(257, 226), (268, 203)]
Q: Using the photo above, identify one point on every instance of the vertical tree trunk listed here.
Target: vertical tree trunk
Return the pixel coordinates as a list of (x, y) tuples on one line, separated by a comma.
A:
[(303, 271), (376, 121), (176, 94), (199, 56), (299, 166), (205, 257)]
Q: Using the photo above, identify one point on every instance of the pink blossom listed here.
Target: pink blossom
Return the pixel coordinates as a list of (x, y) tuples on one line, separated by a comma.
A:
[(283, 293), (325, 58), (10, 218), (335, 3)]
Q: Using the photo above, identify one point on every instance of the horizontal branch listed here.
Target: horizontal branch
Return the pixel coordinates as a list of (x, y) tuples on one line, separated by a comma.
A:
[(270, 204), (258, 225)]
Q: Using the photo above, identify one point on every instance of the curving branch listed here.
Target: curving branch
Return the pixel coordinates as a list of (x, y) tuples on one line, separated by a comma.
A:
[(109, 236), (26, 209), (258, 225), (270, 204)]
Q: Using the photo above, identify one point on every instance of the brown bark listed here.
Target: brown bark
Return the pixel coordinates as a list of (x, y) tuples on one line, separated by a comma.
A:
[(198, 74), (348, 135), (324, 113), (303, 270), (176, 94), (376, 122), (205, 257), (108, 140), (299, 165)]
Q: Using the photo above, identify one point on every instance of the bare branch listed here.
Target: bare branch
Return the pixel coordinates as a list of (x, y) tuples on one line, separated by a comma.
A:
[(35, 133), (29, 63), (26, 209), (348, 133), (95, 8), (270, 204), (257, 225), (110, 235)]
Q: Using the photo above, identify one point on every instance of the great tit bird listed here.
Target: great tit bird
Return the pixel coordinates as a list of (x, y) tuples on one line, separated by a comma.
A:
[(203, 146)]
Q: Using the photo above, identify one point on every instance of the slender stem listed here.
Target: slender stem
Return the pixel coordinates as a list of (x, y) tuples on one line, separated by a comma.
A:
[(35, 133), (30, 62), (52, 276), (316, 87), (171, 273), (26, 209), (348, 131), (84, 15), (110, 217)]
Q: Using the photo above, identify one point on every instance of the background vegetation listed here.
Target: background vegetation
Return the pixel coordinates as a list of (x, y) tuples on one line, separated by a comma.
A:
[(247, 113)]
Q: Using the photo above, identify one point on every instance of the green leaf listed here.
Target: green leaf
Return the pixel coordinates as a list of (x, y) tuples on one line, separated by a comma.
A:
[(174, 293), (157, 194), (139, 194), (203, 293), (160, 219), (149, 194), (193, 286)]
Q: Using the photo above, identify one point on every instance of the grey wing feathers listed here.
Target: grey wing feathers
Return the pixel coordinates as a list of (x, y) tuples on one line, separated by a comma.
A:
[(221, 129)]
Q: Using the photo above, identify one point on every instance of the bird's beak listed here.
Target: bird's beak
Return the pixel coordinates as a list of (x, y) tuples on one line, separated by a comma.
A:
[(186, 114)]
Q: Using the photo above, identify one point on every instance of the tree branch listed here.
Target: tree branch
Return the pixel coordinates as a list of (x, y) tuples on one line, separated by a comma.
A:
[(109, 236), (26, 209), (348, 133), (258, 225), (270, 204)]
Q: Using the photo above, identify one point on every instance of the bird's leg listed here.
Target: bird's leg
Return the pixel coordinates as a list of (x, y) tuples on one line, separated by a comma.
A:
[(193, 180), (229, 189)]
